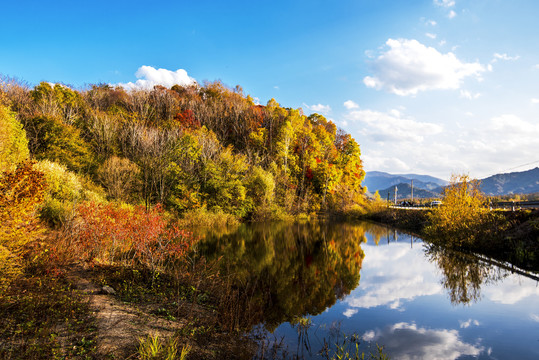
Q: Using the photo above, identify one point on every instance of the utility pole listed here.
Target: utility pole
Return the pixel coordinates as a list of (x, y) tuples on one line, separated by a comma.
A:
[(396, 189), (412, 190)]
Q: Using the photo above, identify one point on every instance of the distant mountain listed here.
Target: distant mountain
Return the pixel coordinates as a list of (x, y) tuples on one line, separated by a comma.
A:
[(426, 179), (404, 191), (524, 182), (378, 180)]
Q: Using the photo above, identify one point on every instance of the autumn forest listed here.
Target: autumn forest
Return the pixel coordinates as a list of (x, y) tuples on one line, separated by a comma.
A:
[(102, 176)]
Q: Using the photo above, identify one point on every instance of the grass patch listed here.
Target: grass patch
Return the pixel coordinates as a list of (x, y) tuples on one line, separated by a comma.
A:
[(202, 217), (43, 317)]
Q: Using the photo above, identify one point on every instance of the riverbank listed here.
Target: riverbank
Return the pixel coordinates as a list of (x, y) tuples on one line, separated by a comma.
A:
[(510, 236), (91, 311)]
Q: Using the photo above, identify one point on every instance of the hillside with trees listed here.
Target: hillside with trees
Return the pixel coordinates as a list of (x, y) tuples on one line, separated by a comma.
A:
[(100, 185), (188, 148)]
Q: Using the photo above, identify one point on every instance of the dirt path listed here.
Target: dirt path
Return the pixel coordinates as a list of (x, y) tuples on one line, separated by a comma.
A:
[(119, 326)]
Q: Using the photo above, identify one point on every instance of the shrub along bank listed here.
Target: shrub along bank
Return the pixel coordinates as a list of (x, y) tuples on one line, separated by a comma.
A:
[(464, 222)]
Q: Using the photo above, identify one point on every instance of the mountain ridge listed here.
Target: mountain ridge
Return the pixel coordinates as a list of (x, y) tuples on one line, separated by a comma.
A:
[(426, 186)]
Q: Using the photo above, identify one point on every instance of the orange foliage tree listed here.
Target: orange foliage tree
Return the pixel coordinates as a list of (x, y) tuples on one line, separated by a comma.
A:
[(130, 236)]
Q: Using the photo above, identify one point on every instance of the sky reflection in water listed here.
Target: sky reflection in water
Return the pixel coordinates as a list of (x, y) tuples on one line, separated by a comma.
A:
[(430, 304)]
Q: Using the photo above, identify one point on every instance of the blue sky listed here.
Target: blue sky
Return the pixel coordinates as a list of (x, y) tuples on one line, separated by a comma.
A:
[(429, 86)]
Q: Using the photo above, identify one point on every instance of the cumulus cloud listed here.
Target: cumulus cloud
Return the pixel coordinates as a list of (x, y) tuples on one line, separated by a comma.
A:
[(468, 95), (376, 161), (148, 77), (451, 14), (430, 35), (510, 124), (466, 324), (408, 67), (395, 142), (408, 341), (392, 126), (494, 144), (445, 3), (504, 57), (319, 108), (349, 104)]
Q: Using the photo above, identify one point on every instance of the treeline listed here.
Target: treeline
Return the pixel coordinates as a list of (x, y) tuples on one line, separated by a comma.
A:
[(195, 147)]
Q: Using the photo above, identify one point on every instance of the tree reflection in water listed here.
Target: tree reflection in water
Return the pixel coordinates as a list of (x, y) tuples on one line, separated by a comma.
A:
[(279, 272), (462, 274)]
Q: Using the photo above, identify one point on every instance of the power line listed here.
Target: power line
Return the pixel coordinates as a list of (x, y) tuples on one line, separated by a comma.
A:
[(513, 168), (516, 167)]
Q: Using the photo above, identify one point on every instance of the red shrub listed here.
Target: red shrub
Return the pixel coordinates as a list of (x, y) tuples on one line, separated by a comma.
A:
[(113, 234)]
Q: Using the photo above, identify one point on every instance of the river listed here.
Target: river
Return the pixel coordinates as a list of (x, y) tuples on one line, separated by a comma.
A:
[(310, 286)]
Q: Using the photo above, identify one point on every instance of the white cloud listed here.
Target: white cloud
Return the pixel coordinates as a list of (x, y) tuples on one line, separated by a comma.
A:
[(408, 341), (385, 163), (393, 141), (445, 3), (350, 312), (392, 126), (430, 35), (534, 317), (494, 144), (404, 277), (349, 104), (535, 101), (431, 22), (148, 77), (511, 290), (319, 108), (466, 324), (369, 335), (504, 57), (468, 95), (408, 67), (511, 124)]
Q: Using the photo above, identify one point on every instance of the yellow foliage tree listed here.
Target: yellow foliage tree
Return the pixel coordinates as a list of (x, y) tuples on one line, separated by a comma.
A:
[(13, 142), (461, 217), (21, 191)]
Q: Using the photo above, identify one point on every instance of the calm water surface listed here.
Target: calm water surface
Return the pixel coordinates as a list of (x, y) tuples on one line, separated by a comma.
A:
[(389, 288)]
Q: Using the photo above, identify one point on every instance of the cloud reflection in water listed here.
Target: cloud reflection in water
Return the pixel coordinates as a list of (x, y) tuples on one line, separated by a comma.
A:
[(392, 274), (408, 341)]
